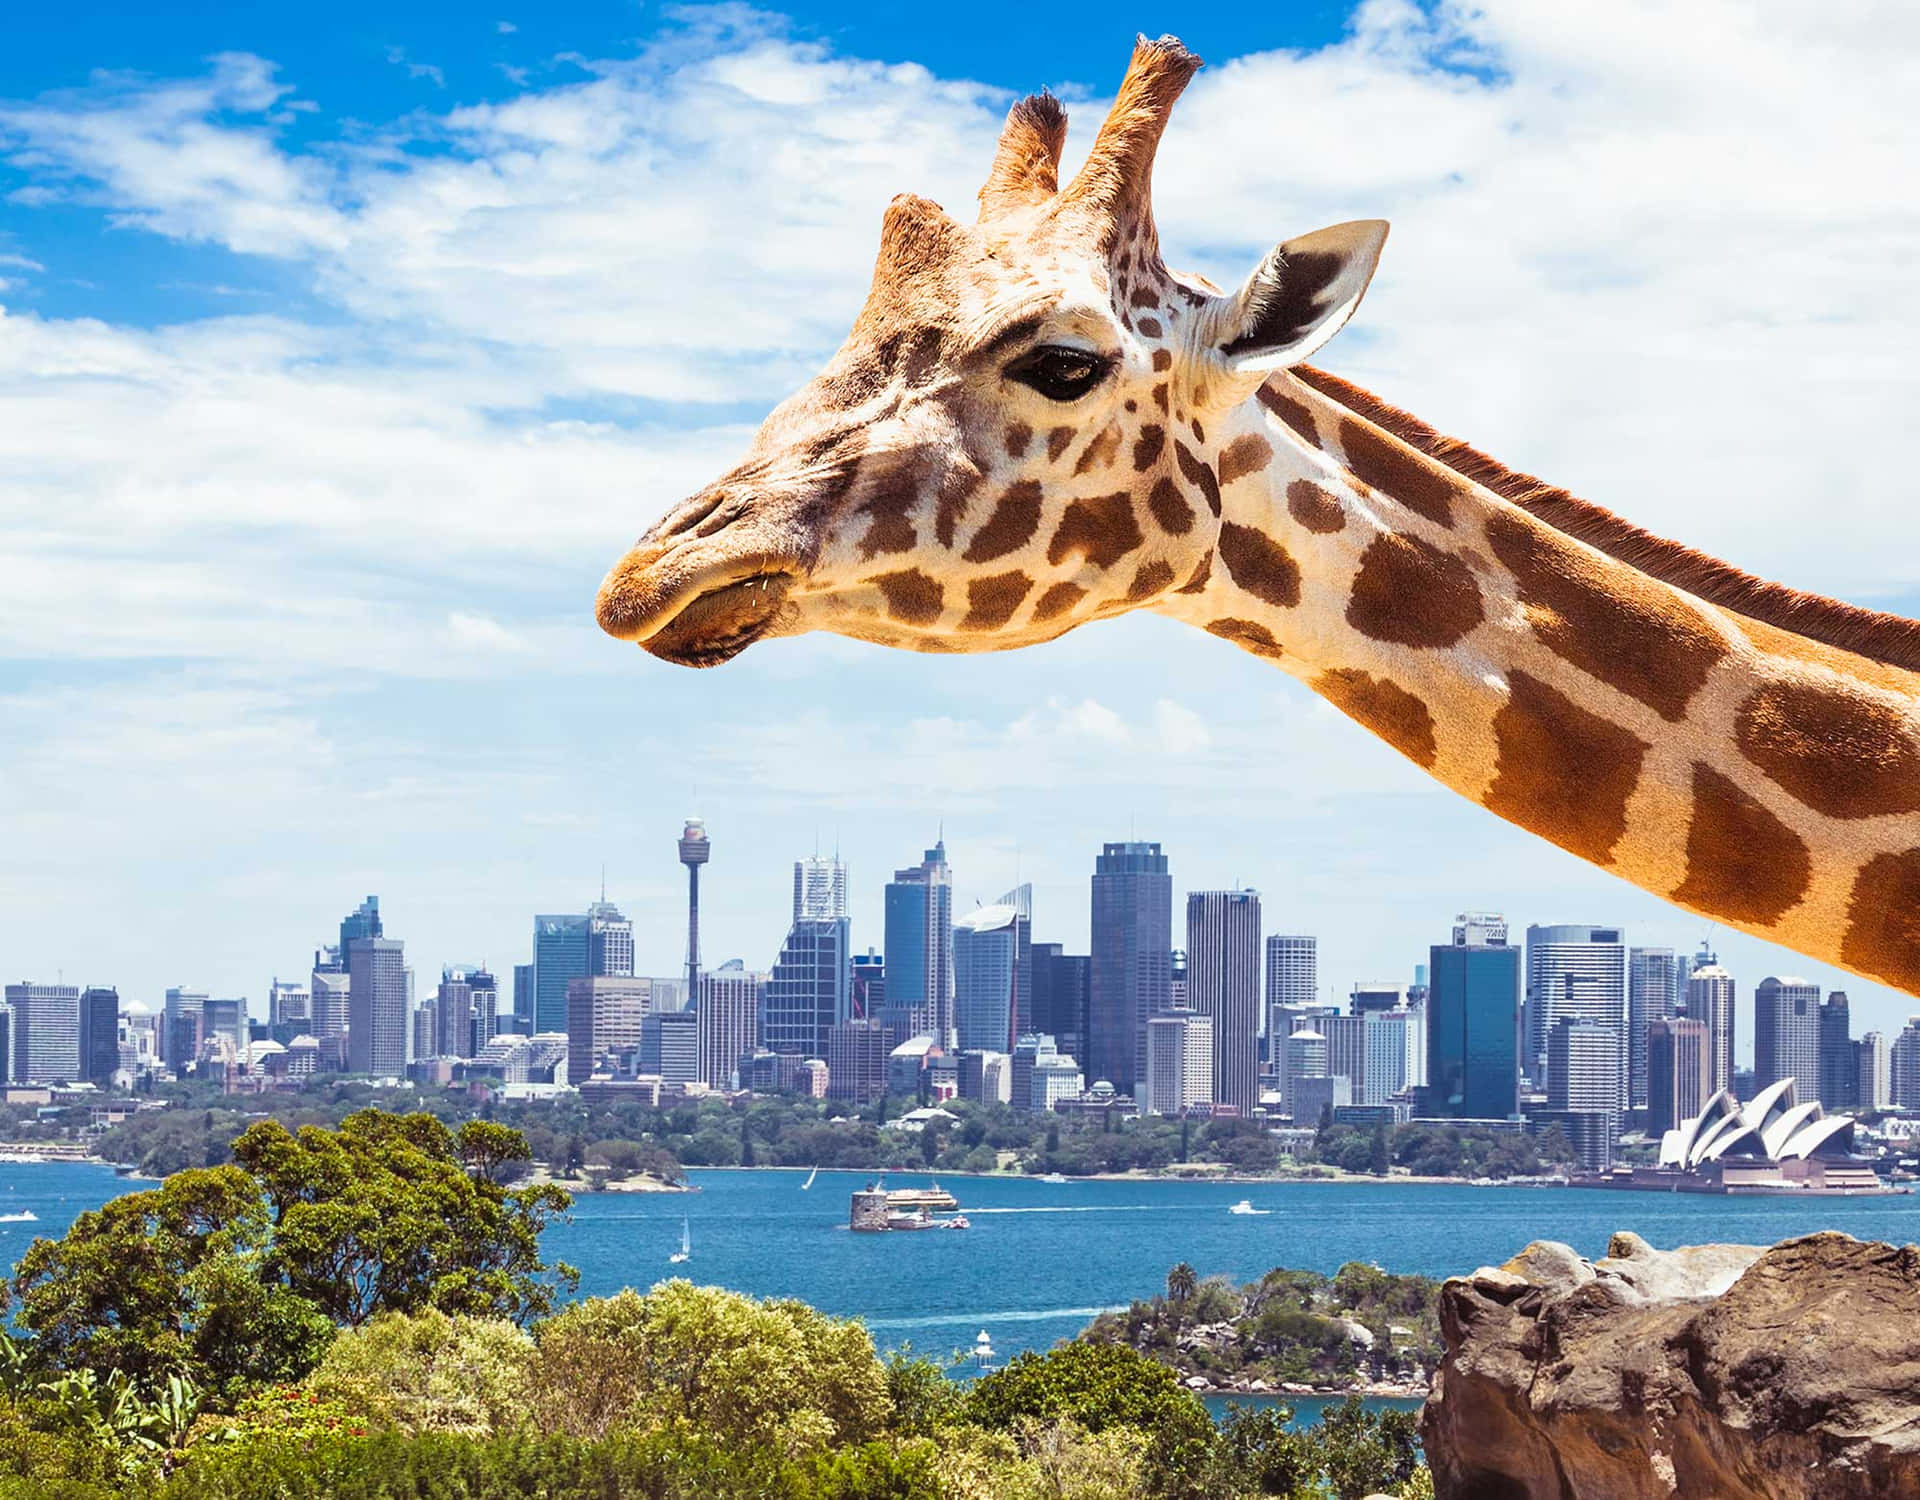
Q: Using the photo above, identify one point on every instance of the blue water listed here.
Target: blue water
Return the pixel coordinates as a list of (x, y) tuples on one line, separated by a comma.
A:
[(1042, 1258)]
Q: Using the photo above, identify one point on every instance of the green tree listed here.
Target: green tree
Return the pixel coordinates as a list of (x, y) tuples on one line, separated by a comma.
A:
[(746, 1142), (428, 1372), (929, 1144), (1379, 1155), (1259, 1453), (1186, 1131), (1181, 1282)]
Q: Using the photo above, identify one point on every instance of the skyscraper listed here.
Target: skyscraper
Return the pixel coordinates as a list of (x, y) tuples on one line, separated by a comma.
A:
[(1650, 998), (1678, 1072), (857, 1061), (609, 940), (1346, 1049), (1180, 1063), (289, 1006), (1062, 987), (46, 1032), (1710, 997), (1473, 1024), (808, 992), (99, 1035), (1839, 1064), (1575, 970), (1583, 1067), (987, 944), (1387, 1048), (919, 941), (1786, 1034), (604, 1013), (728, 1015), (573, 945), (1875, 1061), (819, 889), (695, 851), (867, 996), (330, 985), (1293, 982), (1132, 970), (181, 1026), (463, 993), (1223, 982), (376, 994)]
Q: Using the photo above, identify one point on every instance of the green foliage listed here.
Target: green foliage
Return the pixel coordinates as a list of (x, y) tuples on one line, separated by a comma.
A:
[(1366, 1452), (701, 1359), (428, 1372), (1182, 1280), (1259, 1453), (923, 1399)]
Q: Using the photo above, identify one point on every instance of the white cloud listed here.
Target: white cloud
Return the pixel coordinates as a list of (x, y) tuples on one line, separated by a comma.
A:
[(429, 71), (1662, 257)]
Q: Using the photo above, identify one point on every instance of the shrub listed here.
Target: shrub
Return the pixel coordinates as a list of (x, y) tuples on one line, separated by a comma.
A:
[(428, 1372)]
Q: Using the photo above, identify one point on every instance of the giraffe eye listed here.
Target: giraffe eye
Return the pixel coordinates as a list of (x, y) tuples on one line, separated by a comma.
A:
[(1058, 372)]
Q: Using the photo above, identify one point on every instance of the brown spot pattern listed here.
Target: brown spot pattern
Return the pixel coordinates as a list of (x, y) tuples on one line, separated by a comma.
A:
[(992, 601), (1562, 772), (1160, 397), (950, 505), (1260, 565), (1389, 466), (1146, 447), (1290, 411), (1883, 921), (1606, 619), (1199, 432), (1059, 439), (1411, 593), (1200, 576), (1057, 601), (1101, 450), (1243, 456), (1018, 436), (1170, 507), (1010, 527), (1841, 753), (1743, 863), (1150, 327), (912, 597), (1197, 473), (1384, 707), (1249, 634), (1144, 296), (1314, 508), (1162, 359), (1101, 529), (1153, 578)]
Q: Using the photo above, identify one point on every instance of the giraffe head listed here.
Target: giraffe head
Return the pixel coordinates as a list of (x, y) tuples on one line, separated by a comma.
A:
[(1020, 433)]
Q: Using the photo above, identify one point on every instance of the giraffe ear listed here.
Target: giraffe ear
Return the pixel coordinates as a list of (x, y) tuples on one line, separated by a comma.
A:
[(1301, 296)]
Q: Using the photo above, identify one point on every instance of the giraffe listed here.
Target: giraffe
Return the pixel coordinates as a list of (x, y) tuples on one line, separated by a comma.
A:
[(1034, 424)]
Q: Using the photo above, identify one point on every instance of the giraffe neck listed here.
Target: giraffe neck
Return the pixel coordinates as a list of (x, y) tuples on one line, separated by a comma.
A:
[(1740, 770)]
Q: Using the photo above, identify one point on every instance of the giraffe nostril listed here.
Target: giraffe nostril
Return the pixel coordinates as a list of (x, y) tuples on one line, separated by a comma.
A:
[(695, 512)]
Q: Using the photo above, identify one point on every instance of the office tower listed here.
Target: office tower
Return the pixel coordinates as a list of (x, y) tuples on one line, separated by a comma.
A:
[(1874, 1060), (986, 956), (1903, 1072), (289, 1006), (425, 1039), (1223, 982), (453, 1015), (1031, 1050), (1418, 995), (984, 1076), (560, 947), (1786, 1034), (1062, 990), (604, 1014), (867, 989), (609, 940), (919, 942), (670, 1046), (46, 1032), (819, 889), (1685, 965), (1583, 1066), (181, 1026), (523, 999), (1303, 1055), (1293, 981), (1346, 1049), (1132, 970), (1180, 1062), (1574, 970), (695, 851), (1386, 1047), (1650, 998), (1473, 1024), (1839, 1065), (857, 1060), (1177, 988), (728, 1016), (329, 985), (1710, 996), (1055, 1079), (807, 992), (6, 1044), (1679, 1075), (376, 994), (225, 1023), (484, 997), (99, 1035), (1375, 994)]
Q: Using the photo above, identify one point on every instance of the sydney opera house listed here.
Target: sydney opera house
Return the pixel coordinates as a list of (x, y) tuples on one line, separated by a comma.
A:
[(1770, 1144)]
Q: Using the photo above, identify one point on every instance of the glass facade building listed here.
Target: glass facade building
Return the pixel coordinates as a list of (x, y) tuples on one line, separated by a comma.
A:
[(919, 941), (1132, 970), (1473, 1031)]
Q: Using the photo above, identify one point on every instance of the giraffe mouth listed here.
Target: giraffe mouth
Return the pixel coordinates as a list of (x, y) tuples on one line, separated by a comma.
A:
[(720, 623)]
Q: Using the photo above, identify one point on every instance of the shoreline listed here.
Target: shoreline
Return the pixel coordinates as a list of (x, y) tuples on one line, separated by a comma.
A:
[(1388, 1390)]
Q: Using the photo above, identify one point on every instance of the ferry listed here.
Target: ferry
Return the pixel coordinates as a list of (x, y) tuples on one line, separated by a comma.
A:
[(1245, 1206), (875, 1208)]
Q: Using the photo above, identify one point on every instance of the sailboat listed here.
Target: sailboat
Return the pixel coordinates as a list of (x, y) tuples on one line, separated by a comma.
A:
[(686, 1245), (809, 1182)]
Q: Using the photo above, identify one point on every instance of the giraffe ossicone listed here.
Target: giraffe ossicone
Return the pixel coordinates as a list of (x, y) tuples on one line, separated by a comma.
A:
[(1035, 423)]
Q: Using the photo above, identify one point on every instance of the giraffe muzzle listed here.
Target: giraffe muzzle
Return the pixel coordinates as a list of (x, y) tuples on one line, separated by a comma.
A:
[(692, 615)]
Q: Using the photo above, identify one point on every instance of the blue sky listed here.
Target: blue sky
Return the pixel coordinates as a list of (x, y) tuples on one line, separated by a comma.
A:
[(340, 354)]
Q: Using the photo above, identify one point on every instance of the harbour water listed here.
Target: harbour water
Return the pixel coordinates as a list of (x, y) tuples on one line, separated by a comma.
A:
[(1042, 1258)]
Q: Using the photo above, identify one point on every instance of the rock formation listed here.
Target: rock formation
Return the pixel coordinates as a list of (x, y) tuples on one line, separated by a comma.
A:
[(1716, 1372)]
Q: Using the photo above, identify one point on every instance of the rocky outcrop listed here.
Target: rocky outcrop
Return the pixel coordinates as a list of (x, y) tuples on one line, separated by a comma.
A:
[(1723, 1371)]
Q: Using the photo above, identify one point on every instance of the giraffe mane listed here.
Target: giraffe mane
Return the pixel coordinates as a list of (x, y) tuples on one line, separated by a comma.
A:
[(1891, 639)]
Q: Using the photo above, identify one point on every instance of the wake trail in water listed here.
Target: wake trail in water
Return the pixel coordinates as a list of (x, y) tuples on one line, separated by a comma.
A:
[(1011, 1315), (1084, 1208)]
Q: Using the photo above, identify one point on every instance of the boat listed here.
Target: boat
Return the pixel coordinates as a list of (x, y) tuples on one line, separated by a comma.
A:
[(686, 1245), (1245, 1206), (25, 1216), (1055, 1177), (809, 1182)]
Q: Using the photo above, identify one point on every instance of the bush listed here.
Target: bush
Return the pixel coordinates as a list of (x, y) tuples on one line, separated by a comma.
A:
[(427, 1372)]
